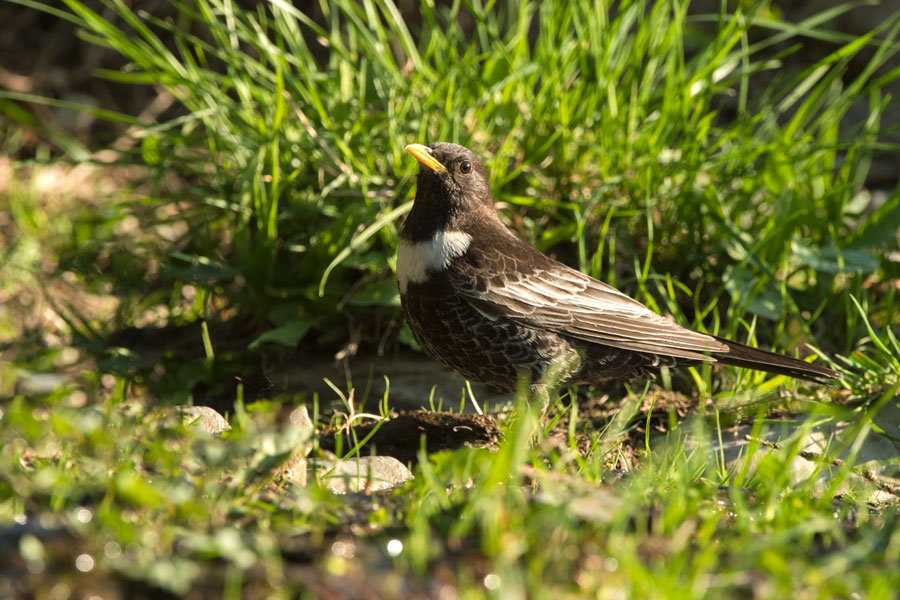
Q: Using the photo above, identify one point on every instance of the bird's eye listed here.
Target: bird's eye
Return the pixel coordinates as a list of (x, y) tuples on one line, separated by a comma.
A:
[(465, 167)]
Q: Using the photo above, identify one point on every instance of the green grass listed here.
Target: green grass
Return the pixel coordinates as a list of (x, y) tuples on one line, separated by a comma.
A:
[(695, 161)]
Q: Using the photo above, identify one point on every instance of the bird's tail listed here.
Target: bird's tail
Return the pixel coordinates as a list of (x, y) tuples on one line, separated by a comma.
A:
[(748, 357)]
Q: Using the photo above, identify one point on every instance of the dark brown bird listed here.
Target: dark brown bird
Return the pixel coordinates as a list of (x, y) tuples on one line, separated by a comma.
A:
[(484, 303)]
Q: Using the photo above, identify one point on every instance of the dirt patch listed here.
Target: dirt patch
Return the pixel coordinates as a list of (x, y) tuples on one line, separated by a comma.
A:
[(401, 436)]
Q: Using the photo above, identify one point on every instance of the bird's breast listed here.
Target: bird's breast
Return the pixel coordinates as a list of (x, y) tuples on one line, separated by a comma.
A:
[(417, 260)]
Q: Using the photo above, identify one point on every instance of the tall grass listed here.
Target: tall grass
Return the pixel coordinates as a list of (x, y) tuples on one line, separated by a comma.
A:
[(635, 143)]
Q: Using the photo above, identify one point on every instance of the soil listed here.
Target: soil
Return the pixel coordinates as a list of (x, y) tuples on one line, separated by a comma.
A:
[(401, 436)]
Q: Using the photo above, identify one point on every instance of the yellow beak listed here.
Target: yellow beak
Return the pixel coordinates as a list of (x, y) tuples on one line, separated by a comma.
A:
[(424, 156)]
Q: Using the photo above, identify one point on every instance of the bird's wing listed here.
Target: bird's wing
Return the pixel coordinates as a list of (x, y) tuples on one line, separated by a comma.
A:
[(549, 295)]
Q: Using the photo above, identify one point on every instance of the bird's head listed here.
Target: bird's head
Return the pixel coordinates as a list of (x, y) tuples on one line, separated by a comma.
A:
[(452, 187)]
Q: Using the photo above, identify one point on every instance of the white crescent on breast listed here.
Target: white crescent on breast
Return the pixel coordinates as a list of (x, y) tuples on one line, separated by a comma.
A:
[(416, 260)]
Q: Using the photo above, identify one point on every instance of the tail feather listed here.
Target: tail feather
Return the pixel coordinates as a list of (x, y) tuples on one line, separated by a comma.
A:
[(748, 357)]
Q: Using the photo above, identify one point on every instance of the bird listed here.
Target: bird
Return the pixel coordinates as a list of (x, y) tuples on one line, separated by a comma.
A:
[(484, 303)]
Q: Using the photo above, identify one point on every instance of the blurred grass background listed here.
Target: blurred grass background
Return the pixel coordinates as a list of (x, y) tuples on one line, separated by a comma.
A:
[(241, 165), (689, 159)]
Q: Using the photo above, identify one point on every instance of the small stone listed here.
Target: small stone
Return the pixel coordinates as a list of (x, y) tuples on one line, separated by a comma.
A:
[(204, 417), (294, 468), (365, 474), (300, 418), (826, 444)]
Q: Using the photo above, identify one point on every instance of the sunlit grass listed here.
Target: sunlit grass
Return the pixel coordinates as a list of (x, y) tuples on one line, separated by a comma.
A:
[(692, 160)]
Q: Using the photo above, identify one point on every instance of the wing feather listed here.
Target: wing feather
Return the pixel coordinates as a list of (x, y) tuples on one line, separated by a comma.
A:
[(550, 295)]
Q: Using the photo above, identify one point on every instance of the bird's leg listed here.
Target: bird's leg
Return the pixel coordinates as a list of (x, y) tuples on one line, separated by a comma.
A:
[(557, 371), (541, 393)]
